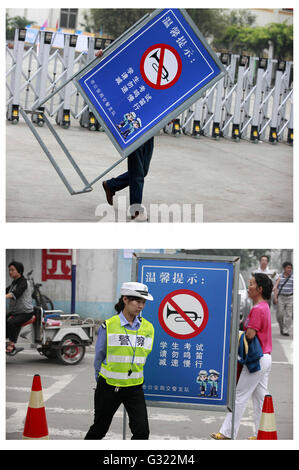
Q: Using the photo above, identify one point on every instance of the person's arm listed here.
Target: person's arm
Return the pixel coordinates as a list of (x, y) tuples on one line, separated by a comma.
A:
[(100, 350), (275, 290), (254, 324), (20, 288), (99, 53), (250, 334)]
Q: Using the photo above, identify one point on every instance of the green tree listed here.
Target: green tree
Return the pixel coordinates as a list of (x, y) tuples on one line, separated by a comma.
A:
[(113, 21), (209, 20), (240, 17), (15, 22), (281, 36), (248, 257), (230, 30), (240, 39)]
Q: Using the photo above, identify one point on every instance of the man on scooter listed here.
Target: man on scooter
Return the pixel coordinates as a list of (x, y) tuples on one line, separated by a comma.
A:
[(20, 308)]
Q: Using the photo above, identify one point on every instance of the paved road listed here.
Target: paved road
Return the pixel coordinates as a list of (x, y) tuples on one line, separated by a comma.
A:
[(190, 180), (68, 397)]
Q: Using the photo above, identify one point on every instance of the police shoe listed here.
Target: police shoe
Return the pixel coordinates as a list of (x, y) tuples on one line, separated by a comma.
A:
[(139, 217), (109, 194)]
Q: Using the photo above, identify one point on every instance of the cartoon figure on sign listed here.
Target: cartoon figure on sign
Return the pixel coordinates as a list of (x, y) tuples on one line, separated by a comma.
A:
[(136, 124), (213, 382), (202, 380), (128, 118)]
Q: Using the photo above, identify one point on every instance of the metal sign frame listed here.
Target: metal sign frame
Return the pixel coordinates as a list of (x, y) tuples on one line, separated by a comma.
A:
[(117, 45), (233, 337), (87, 185), (38, 107)]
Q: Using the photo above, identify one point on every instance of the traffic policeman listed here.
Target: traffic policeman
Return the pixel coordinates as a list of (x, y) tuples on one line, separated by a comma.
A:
[(123, 344)]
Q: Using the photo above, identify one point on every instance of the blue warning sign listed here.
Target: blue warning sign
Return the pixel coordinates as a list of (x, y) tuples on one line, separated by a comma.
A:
[(149, 77), (192, 316)]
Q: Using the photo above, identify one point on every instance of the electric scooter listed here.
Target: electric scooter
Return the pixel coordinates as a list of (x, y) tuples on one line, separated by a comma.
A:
[(56, 335)]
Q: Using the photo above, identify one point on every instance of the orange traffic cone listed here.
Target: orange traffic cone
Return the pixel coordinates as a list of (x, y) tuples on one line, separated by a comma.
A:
[(267, 428), (36, 423)]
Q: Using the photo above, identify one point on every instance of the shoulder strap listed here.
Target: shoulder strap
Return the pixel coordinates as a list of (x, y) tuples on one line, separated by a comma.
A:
[(283, 284)]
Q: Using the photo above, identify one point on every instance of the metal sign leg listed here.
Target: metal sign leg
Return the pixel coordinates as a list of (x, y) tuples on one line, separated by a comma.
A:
[(87, 188), (88, 185)]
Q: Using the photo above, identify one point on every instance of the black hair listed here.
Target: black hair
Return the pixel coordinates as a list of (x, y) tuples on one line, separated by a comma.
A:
[(120, 305), (19, 266), (262, 280), (265, 256), (287, 263)]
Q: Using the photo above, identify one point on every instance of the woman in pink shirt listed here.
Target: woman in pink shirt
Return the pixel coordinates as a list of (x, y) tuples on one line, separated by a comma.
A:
[(255, 385)]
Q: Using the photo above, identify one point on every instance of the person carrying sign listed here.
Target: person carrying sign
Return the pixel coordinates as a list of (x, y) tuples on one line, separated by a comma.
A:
[(123, 344), (138, 166), (253, 383)]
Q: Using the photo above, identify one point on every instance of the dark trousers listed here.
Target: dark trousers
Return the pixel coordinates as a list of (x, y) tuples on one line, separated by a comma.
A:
[(138, 166), (106, 402), (14, 324)]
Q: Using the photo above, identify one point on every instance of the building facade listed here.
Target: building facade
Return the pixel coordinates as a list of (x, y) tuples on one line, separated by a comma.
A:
[(99, 275)]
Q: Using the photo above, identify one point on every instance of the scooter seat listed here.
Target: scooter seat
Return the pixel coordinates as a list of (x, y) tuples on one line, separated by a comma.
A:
[(32, 320)]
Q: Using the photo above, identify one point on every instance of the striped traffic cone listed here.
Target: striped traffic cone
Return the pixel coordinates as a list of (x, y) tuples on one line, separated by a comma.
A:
[(36, 422), (267, 428)]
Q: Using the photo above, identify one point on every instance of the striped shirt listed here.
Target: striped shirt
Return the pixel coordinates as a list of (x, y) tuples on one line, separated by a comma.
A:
[(287, 289)]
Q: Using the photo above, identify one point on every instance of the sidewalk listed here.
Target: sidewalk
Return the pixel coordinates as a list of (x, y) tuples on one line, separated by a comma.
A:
[(231, 181)]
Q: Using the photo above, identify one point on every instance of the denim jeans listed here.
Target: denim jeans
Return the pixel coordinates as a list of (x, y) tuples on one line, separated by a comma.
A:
[(138, 166)]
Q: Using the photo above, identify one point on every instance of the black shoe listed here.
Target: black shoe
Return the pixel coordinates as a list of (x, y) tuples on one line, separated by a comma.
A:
[(139, 217), (109, 194)]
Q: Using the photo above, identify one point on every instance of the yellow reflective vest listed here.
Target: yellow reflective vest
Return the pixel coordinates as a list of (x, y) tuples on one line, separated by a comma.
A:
[(127, 351)]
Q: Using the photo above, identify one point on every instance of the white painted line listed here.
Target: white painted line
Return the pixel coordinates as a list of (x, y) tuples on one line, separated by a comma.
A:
[(282, 363), (58, 386), (287, 346), (15, 422), (19, 389), (171, 417)]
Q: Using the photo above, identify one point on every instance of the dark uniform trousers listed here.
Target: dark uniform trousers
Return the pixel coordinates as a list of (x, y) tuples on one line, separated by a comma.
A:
[(107, 400), (138, 166)]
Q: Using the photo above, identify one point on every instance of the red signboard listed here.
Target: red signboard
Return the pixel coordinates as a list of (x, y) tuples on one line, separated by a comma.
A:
[(56, 264)]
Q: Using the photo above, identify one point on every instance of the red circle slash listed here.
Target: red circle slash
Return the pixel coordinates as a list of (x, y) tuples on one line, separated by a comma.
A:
[(158, 85), (196, 329)]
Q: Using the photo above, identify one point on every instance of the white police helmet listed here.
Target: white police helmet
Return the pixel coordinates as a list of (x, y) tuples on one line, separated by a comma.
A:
[(135, 289)]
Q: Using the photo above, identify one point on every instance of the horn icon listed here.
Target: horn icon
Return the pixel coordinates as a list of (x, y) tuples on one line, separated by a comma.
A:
[(155, 66), (192, 315)]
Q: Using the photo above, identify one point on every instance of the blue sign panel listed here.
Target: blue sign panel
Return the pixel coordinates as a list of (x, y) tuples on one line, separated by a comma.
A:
[(191, 314), (148, 77)]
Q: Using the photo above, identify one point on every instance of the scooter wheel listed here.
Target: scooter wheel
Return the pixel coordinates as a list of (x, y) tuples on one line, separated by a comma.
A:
[(70, 350)]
